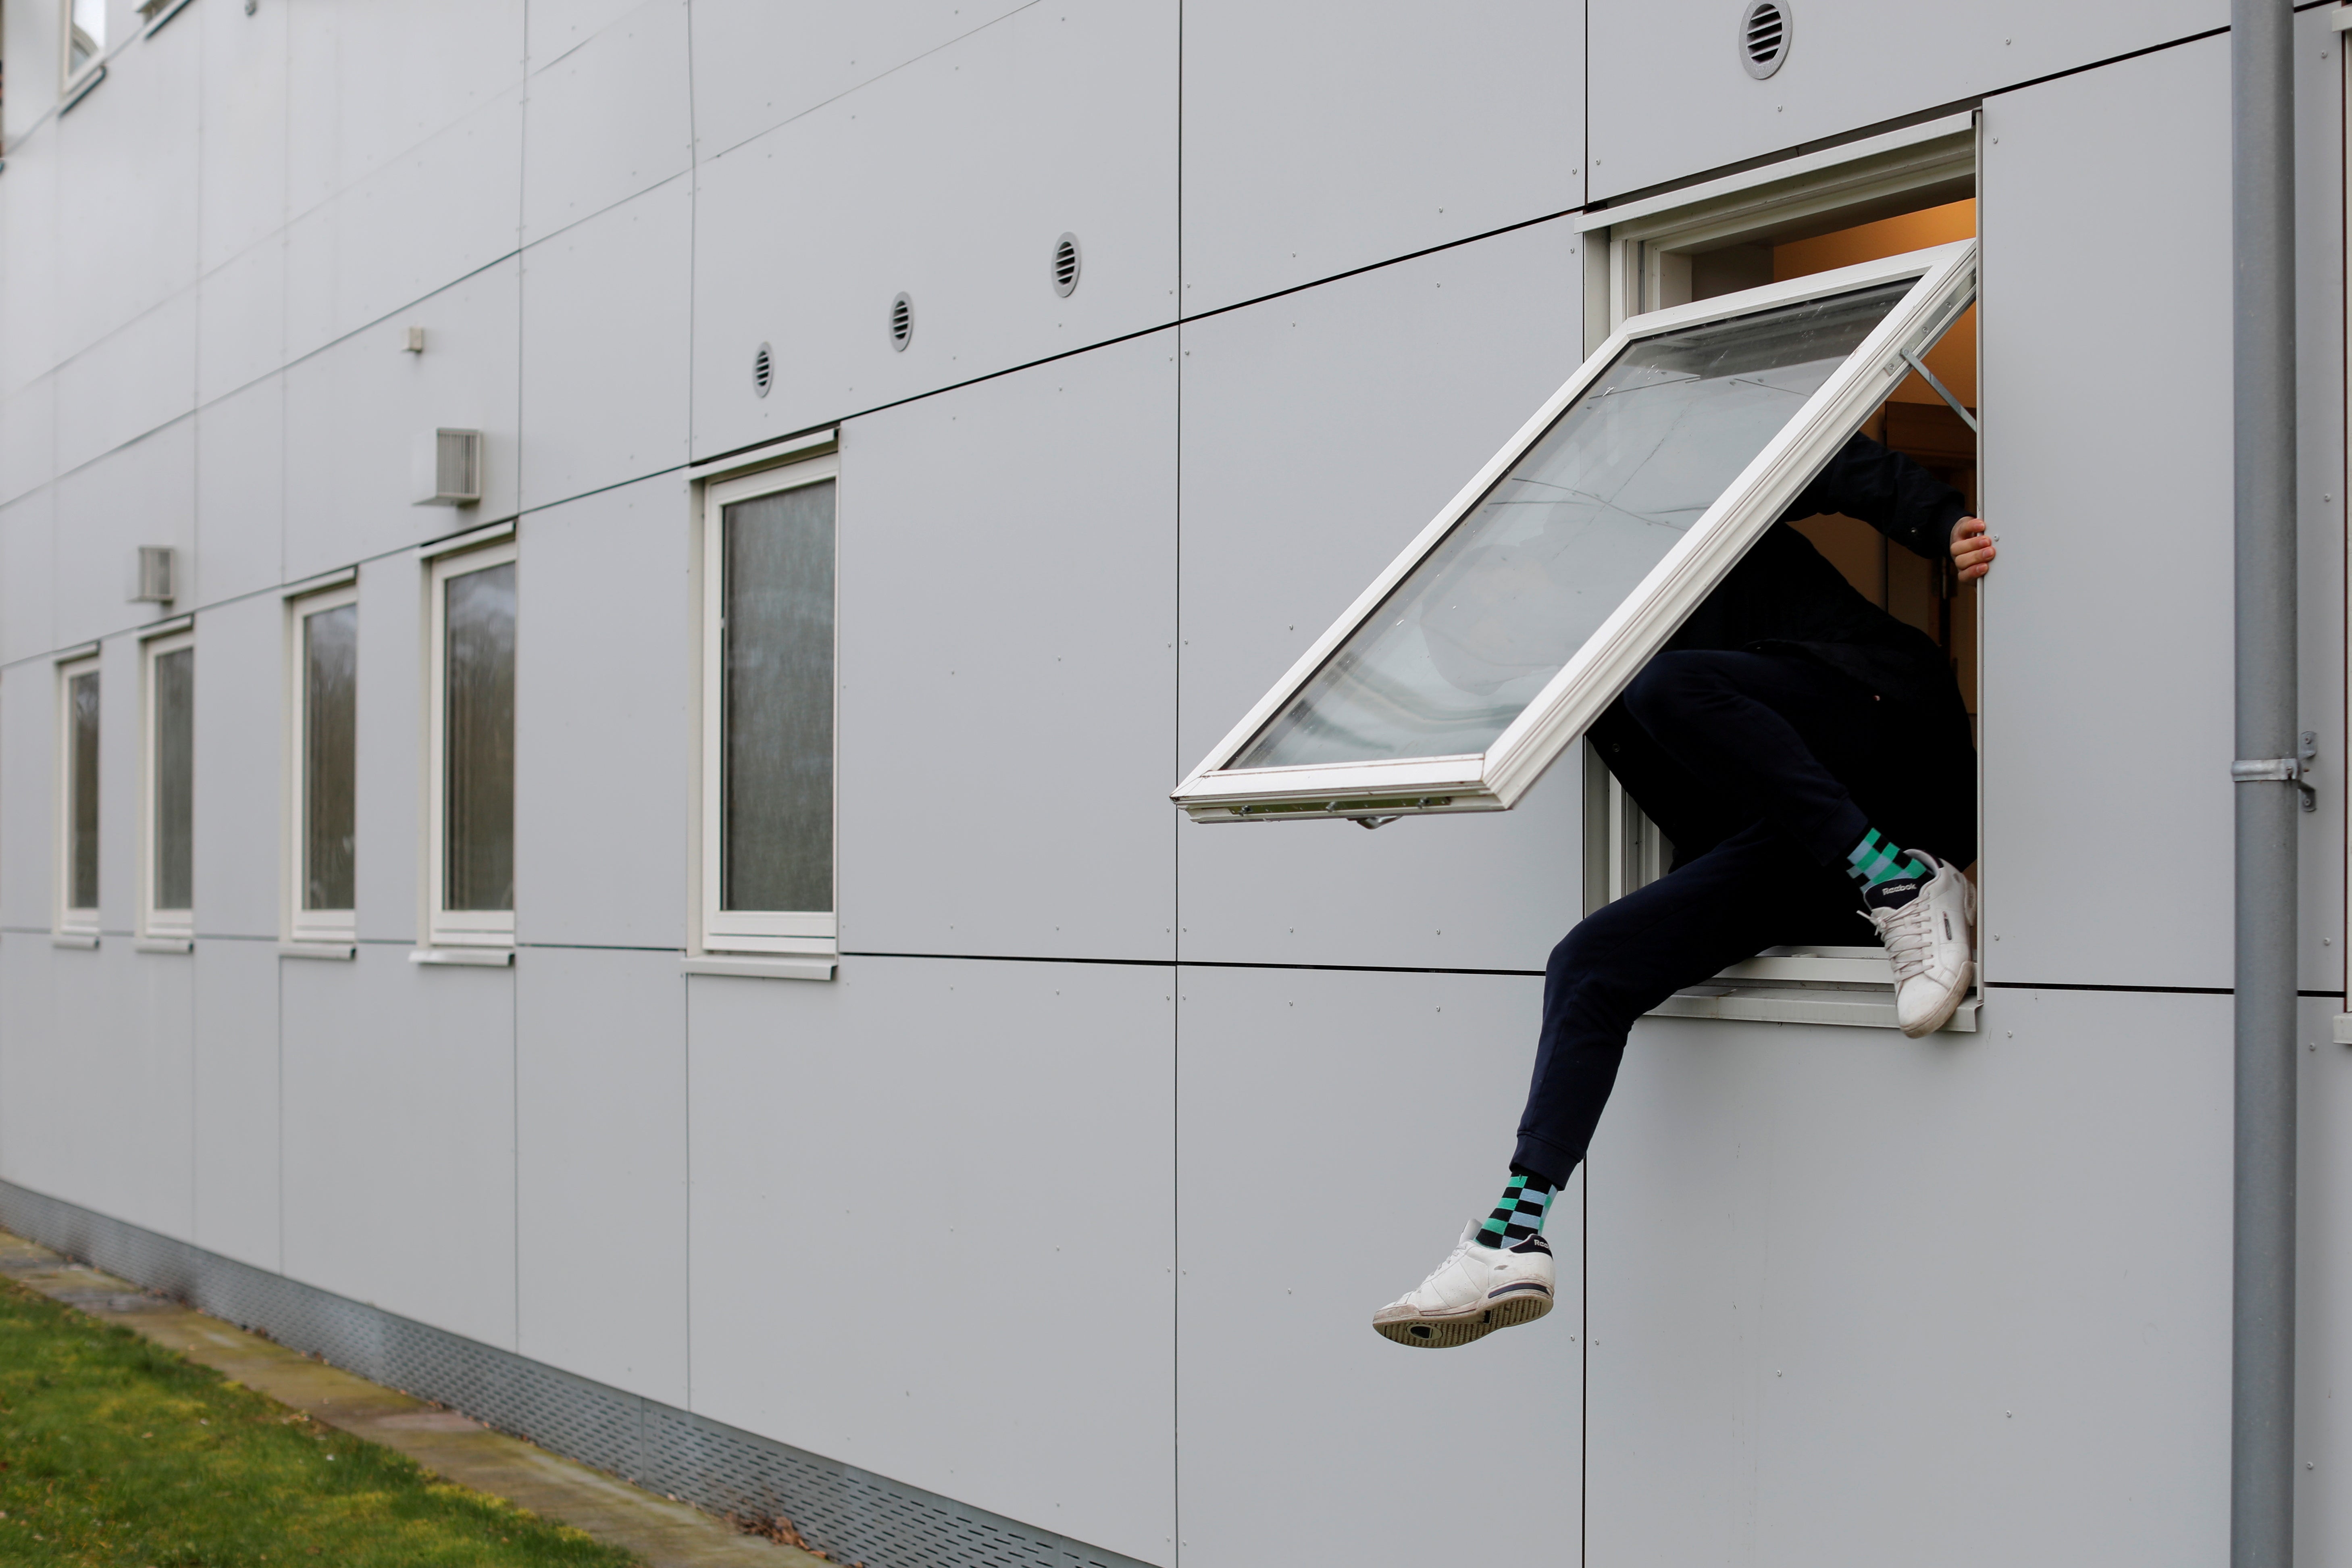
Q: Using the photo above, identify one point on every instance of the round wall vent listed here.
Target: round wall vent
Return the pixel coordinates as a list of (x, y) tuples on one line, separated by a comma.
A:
[(1764, 30), (902, 323), (763, 370), (1066, 266)]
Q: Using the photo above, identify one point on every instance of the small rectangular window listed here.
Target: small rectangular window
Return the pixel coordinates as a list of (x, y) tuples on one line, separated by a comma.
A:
[(1525, 606), (78, 732), (85, 38), (470, 864), (168, 756), (768, 711), (325, 752)]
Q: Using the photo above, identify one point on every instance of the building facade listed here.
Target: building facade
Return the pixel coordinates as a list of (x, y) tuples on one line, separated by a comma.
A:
[(599, 600)]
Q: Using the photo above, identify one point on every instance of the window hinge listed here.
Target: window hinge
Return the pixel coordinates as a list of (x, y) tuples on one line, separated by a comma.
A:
[(1916, 362), (2291, 770)]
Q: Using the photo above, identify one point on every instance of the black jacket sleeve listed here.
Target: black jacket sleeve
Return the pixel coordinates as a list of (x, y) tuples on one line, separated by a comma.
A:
[(1888, 491)]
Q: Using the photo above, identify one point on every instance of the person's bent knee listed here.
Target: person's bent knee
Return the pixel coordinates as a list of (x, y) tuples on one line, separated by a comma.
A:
[(1668, 685)]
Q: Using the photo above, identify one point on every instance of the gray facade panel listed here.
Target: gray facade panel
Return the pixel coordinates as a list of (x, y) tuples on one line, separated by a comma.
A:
[(609, 119), (2136, 673), (1015, 1118), (240, 535), (241, 321), (387, 856), (245, 135), (758, 63), (28, 787), (115, 389), (1008, 596), (602, 732), (399, 1106), (355, 412), (32, 269), (1337, 1130), (28, 433), (607, 308), (28, 576), (232, 1166), (1322, 431), (601, 1166), (949, 180), (240, 827), (2324, 1302), (1321, 136), (1850, 64), (1976, 1292)]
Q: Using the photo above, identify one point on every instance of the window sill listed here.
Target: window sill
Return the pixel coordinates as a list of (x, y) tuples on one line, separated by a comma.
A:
[(339, 952), (758, 968), (77, 91), (464, 957), (159, 12), (83, 940), (163, 944), (1871, 1007)]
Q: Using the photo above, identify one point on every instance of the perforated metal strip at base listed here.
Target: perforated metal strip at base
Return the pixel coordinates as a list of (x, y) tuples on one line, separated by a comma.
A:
[(850, 1514)]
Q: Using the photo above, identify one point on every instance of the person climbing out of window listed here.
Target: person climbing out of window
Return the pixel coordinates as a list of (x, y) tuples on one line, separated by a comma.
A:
[(1802, 750)]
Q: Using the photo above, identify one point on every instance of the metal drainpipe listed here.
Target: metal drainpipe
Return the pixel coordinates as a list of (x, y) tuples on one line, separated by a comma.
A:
[(2262, 1374)]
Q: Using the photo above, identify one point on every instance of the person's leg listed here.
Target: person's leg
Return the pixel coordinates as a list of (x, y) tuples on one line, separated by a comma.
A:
[(1785, 737), (1617, 965), (1622, 960)]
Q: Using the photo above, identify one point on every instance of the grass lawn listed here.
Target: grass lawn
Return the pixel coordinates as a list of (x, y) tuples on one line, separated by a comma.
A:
[(114, 1451)]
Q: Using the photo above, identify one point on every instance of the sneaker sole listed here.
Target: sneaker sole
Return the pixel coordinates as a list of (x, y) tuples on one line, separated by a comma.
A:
[(1444, 1333)]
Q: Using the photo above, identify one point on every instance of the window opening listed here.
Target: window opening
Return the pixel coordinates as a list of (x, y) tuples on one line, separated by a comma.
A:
[(168, 830), (78, 739), (768, 808), (85, 38), (471, 854), (1505, 629), (325, 751)]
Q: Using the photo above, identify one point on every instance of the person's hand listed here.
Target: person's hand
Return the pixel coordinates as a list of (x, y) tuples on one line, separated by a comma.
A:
[(1972, 549)]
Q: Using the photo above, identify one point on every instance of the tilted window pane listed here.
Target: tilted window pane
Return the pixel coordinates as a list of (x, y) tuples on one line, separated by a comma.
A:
[(87, 38), (81, 696), (478, 740), (1489, 616), (777, 786), (330, 659), (175, 742)]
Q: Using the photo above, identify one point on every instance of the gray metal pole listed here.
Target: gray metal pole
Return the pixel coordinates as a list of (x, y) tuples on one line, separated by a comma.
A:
[(2262, 1382)]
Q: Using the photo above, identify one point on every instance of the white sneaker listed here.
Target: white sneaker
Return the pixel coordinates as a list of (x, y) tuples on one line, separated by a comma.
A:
[(1474, 1291), (1926, 939)]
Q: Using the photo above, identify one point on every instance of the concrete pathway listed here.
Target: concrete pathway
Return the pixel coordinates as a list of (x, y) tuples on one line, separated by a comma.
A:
[(662, 1534)]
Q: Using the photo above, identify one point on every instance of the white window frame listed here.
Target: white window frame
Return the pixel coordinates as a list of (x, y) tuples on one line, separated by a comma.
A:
[(487, 929), (786, 933), (305, 925), (1496, 778), (156, 923), (71, 920), (72, 84)]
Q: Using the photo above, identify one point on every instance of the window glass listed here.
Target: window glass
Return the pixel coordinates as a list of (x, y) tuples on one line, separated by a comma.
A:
[(330, 754), (174, 680), (86, 39), (776, 789), (1474, 634), (81, 696), (477, 738)]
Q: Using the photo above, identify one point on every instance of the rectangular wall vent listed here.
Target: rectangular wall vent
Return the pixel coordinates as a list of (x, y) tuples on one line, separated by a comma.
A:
[(449, 469), (152, 574)]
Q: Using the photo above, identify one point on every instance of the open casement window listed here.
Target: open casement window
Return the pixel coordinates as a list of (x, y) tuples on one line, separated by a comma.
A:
[(1534, 596), (323, 730), (471, 756), (768, 691), (167, 731), (78, 732), (82, 51)]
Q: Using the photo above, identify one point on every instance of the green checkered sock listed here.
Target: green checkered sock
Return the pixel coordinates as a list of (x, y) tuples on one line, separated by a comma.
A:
[(1520, 1214), (1876, 859)]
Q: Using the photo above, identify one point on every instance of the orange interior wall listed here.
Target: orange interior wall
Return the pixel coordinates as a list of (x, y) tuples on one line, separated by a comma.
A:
[(1954, 360)]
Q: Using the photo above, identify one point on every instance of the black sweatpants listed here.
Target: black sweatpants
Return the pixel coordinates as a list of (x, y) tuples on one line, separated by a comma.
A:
[(1764, 770)]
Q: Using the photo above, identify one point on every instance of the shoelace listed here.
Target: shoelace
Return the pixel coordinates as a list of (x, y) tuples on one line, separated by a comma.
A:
[(1908, 935), (1451, 1258)]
